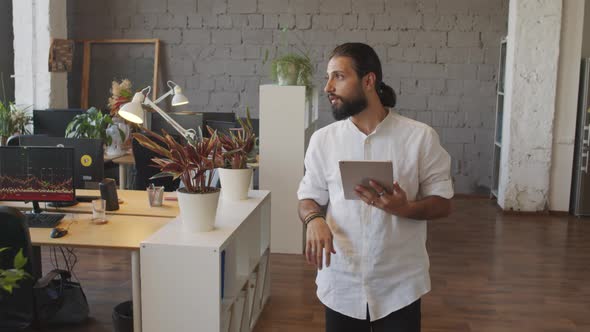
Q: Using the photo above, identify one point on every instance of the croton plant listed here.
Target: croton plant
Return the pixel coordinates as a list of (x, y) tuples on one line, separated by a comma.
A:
[(190, 162), (238, 145)]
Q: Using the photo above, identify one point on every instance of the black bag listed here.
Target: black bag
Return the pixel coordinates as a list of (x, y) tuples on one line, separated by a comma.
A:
[(60, 300)]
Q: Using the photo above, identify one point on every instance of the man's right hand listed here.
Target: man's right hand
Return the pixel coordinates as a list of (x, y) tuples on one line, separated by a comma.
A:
[(319, 239)]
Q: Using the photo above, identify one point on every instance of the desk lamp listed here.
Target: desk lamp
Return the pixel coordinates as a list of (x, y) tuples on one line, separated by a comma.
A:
[(133, 111)]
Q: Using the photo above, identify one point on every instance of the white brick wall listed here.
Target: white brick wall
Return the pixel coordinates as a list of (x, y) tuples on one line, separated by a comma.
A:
[(440, 56)]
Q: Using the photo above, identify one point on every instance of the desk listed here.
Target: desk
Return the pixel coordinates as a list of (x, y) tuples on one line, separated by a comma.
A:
[(121, 232), (135, 203), (124, 162)]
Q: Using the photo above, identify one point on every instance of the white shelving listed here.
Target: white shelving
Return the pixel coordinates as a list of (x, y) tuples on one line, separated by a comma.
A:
[(211, 281), (499, 119)]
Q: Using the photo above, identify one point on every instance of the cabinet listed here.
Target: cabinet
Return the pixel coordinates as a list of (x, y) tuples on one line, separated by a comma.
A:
[(210, 281), (287, 121), (499, 119)]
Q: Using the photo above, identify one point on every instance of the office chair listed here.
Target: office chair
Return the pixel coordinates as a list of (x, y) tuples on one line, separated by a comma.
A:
[(143, 160), (14, 140), (17, 310)]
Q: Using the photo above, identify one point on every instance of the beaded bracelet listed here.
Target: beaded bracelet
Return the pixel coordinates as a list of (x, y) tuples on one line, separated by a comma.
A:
[(312, 216)]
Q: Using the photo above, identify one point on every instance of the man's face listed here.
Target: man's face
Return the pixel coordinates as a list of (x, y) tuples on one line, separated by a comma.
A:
[(344, 88)]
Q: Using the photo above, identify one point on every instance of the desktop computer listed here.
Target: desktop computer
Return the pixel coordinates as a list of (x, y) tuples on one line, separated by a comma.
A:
[(88, 156), (37, 174)]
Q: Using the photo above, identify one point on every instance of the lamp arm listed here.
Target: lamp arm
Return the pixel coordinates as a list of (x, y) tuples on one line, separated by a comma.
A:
[(157, 101), (188, 134)]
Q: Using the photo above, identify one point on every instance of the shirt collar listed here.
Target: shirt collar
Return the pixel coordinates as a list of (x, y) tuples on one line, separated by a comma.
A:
[(352, 126)]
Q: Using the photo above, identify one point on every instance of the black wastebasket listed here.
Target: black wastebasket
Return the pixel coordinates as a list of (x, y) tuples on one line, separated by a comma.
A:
[(123, 317)]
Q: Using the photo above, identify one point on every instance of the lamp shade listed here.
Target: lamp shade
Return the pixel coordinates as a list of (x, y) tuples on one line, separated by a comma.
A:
[(133, 111), (179, 98)]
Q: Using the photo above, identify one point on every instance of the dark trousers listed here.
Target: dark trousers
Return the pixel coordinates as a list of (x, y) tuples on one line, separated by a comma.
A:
[(406, 319)]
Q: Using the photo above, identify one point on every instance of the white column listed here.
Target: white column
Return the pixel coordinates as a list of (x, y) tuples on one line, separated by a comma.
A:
[(534, 29), (35, 23), (286, 123), (568, 80)]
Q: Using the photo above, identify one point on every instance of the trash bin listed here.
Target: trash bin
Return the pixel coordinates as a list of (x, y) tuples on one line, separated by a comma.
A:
[(123, 317)]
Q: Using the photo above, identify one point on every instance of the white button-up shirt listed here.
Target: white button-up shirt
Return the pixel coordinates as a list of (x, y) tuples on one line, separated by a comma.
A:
[(381, 259)]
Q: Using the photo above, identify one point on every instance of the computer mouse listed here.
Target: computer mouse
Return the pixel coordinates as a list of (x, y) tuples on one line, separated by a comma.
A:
[(58, 232)]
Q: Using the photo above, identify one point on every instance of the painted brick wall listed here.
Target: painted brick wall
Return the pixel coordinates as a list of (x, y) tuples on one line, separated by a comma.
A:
[(7, 53), (440, 56)]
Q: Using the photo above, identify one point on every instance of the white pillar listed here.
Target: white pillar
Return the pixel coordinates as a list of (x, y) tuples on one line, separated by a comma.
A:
[(568, 81), (287, 121), (35, 23), (529, 107)]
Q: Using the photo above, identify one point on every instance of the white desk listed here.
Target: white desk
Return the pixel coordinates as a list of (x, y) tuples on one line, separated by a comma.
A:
[(121, 232)]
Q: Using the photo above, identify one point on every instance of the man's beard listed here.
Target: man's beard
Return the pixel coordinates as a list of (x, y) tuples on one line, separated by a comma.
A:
[(348, 108)]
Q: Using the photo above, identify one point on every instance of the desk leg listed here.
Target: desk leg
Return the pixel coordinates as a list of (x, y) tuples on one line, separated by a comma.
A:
[(136, 284), (122, 176), (36, 261)]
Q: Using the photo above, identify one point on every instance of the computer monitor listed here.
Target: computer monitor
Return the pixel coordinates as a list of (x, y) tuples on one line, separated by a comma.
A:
[(188, 120), (53, 122), (88, 156), (221, 126), (38, 174)]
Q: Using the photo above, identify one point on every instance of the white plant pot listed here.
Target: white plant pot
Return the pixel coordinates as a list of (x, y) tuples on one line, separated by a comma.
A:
[(235, 183), (197, 211)]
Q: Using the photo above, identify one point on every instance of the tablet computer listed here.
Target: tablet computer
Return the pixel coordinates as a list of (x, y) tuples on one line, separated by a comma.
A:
[(359, 172)]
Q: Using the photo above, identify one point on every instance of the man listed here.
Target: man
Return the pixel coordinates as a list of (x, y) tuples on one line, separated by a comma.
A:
[(371, 253)]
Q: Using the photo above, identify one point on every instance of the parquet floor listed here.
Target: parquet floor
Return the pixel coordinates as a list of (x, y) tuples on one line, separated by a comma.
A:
[(490, 272)]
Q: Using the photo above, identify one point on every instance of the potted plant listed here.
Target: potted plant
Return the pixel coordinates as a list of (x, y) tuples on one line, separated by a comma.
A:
[(13, 120), (292, 68), (238, 149), (194, 163), (92, 124), (9, 278)]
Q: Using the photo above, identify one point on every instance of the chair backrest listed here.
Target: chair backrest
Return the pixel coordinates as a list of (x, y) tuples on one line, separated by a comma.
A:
[(144, 170), (16, 309), (14, 140)]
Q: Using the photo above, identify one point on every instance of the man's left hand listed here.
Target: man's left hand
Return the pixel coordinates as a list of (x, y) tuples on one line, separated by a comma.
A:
[(395, 202)]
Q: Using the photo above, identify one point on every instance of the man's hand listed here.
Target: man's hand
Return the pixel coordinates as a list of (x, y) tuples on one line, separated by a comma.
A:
[(395, 203), (319, 239)]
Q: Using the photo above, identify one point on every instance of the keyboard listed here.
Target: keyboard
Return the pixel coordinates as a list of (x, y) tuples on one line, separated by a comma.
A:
[(43, 220), (86, 198)]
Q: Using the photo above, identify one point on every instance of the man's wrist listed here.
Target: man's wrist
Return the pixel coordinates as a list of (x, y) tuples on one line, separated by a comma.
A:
[(311, 216), (407, 210)]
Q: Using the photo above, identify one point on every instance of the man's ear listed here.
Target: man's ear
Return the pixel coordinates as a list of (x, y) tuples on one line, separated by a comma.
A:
[(369, 81)]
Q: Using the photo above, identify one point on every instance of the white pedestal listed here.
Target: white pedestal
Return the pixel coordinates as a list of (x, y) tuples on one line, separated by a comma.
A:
[(286, 124)]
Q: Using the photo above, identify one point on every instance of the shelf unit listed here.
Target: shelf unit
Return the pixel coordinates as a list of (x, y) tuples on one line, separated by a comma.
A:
[(210, 281), (499, 119)]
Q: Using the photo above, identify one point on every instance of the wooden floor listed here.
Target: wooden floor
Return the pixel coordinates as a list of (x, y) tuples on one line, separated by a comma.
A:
[(490, 272)]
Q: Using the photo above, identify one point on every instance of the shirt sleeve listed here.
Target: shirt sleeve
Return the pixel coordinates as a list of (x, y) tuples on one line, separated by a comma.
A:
[(434, 168), (313, 185)]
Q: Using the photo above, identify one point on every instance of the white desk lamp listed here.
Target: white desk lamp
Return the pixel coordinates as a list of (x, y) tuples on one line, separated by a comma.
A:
[(133, 111)]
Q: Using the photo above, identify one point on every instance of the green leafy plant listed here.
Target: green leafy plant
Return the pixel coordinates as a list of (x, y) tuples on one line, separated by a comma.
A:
[(13, 120), (238, 146), (190, 162), (92, 124), (292, 68), (10, 278)]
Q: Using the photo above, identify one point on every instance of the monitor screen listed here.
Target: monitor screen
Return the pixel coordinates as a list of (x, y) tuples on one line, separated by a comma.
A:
[(53, 122), (188, 120), (88, 156), (36, 174), (221, 126)]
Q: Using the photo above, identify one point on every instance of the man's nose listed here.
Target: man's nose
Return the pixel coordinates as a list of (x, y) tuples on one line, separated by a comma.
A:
[(329, 87)]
